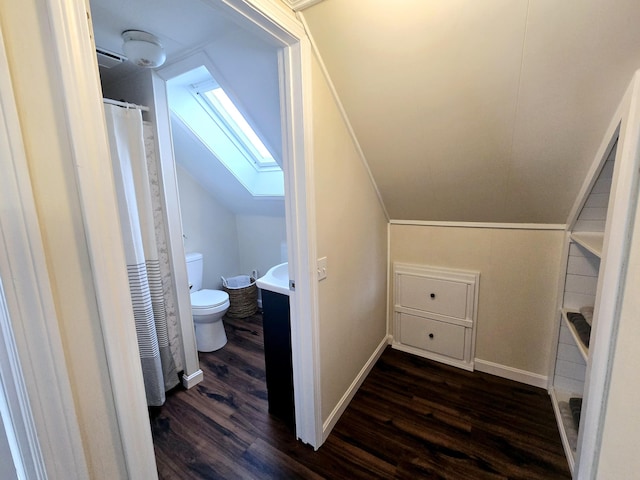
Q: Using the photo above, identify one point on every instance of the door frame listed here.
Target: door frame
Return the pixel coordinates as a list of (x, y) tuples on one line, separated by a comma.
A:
[(74, 53), (281, 26), (36, 401)]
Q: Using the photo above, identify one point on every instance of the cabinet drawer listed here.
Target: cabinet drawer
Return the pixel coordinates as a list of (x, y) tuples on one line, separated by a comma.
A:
[(432, 335), (433, 295)]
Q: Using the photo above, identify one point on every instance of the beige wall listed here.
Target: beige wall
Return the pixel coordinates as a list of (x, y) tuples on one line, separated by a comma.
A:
[(351, 232), (28, 45), (518, 284)]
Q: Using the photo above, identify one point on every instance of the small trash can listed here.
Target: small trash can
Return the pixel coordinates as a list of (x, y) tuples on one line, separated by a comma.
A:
[(243, 295)]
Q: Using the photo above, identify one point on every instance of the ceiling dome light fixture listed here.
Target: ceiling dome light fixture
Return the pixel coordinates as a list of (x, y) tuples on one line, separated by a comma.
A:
[(143, 49)]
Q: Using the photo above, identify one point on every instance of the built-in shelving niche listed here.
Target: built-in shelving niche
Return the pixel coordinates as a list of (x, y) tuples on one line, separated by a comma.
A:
[(584, 250), (597, 243)]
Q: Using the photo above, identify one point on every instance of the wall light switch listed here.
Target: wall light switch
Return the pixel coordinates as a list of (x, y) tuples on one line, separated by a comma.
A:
[(322, 268)]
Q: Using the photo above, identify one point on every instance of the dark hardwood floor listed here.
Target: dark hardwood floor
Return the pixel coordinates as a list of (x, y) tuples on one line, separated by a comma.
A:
[(412, 418)]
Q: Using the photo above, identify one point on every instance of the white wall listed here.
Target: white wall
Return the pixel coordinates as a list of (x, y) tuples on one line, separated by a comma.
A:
[(352, 233), (231, 244), (518, 285), (209, 229), (260, 241)]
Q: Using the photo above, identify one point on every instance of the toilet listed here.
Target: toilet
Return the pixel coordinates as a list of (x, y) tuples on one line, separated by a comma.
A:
[(207, 308)]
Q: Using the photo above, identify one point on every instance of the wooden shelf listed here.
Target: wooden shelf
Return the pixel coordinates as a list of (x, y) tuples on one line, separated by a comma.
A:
[(584, 350), (592, 241)]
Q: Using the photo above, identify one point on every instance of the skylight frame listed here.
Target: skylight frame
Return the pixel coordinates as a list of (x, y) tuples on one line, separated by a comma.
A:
[(225, 120)]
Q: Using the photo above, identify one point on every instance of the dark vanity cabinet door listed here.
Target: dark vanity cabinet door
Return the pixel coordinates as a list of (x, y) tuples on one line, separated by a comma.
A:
[(277, 352)]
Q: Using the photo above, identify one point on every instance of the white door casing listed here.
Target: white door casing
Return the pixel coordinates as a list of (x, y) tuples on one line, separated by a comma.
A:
[(37, 407)]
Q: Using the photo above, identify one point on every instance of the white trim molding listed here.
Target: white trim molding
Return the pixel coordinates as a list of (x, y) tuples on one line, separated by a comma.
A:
[(294, 59), (301, 239), (15, 407), (295, 83), (39, 406), (509, 226), (190, 381), (76, 72), (298, 5), (173, 229), (510, 373), (342, 405)]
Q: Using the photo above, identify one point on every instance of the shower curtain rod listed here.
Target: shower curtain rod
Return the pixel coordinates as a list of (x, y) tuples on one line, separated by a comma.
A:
[(125, 104)]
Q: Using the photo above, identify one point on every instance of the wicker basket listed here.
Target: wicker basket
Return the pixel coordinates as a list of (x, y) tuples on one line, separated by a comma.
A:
[(243, 301)]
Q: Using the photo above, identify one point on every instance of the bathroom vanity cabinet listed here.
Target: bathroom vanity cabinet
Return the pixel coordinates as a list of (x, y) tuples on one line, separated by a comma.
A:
[(277, 354), (435, 313)]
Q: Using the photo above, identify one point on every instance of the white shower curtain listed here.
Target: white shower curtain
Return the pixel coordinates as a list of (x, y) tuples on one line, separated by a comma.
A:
[(135, 205)]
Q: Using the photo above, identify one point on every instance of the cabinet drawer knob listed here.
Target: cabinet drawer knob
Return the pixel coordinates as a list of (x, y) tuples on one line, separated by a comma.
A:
[(431, 335), (433, 295)]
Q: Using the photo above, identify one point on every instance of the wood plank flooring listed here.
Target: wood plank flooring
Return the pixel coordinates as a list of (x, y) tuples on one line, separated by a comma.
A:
[(412, 418)]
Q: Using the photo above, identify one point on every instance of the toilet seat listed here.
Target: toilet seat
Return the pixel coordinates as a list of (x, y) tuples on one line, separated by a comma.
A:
[(204, 302)]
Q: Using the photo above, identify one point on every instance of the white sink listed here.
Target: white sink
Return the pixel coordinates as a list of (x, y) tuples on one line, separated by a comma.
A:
[(276, 279)]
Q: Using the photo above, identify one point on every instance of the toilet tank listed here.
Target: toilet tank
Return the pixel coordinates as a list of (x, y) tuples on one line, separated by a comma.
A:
[(194, 270)]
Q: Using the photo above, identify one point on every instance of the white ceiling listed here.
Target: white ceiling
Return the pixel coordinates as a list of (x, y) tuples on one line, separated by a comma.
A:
[(484, 111), (182, 26), (247, 66)]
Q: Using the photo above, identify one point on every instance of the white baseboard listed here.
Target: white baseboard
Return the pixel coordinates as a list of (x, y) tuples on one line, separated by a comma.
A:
[(353, 388), (522, 376), (189, 381)]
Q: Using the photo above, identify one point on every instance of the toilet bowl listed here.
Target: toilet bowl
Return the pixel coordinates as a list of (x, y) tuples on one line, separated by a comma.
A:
[(207, 308)]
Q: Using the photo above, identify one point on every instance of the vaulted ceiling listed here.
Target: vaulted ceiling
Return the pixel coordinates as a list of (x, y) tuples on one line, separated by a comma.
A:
[(473, 110), (465, 110)]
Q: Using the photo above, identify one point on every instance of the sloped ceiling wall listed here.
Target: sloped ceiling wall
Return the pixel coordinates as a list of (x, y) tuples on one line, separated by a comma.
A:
[(485, 111), (243, 60)]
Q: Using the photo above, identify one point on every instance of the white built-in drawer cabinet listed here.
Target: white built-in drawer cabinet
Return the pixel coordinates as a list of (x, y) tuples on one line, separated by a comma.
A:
[(435, 313)]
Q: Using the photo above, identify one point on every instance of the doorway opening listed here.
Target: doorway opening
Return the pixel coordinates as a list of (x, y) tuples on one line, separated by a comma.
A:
[(291, 54)]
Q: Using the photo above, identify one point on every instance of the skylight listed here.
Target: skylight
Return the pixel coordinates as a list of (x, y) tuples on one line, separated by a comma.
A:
[(230, 116), (199, 103), (221, 101)]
